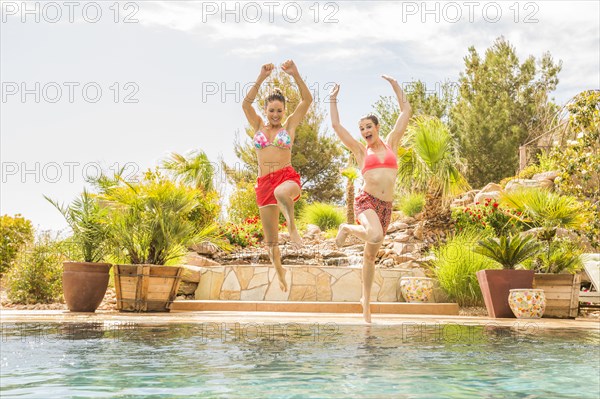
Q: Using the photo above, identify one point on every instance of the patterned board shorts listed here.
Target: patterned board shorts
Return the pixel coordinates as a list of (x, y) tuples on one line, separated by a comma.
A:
[(383, 209)]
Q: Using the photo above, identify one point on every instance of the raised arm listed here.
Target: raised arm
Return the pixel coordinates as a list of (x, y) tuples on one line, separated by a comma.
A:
[(296, 117), (394, 137), (253, 118), (350, 142)]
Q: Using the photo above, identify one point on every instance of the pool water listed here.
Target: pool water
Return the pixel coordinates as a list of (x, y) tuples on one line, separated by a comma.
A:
[(296, 361)]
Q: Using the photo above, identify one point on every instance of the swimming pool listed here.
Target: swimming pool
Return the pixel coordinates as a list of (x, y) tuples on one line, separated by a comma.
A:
[(54, 360)]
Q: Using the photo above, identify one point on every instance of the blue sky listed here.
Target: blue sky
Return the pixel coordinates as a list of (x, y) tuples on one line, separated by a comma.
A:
[(127, 93)]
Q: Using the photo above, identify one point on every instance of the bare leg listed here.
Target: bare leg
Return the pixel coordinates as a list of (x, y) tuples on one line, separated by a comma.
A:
[(345, 229), (285, 194), (269, 215), (374, 239)]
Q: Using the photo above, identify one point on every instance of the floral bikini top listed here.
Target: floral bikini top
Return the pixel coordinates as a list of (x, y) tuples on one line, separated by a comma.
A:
[(282, 140)]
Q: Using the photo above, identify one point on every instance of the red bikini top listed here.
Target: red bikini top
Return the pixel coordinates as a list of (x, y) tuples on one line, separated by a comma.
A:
[(373, 162)]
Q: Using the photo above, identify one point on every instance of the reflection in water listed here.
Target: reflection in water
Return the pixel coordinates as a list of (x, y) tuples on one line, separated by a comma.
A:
[(301, 360)]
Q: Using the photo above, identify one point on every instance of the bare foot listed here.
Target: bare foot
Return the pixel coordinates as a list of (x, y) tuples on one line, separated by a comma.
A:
[(296, 240), (366, 311), (281, 275), (340, 239)]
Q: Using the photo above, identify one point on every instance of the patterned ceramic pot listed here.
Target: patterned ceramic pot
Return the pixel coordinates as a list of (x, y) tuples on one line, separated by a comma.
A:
[(416, 289), (527, 303)]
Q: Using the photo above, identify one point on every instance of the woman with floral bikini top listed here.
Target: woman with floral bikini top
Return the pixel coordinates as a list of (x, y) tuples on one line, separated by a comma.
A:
[(379, 166), (278, 184)]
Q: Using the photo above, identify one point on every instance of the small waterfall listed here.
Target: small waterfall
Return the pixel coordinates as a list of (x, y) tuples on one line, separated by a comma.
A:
[(355, 260)]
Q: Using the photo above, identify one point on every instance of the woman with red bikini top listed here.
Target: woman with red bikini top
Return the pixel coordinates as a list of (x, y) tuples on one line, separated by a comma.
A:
[(379, 166)]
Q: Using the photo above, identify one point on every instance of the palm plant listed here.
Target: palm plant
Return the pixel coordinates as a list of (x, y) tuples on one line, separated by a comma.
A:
[(545, 212), (149, 220), (429, 162), (350, 173), (86, 218), (508, 251), (194, 169)]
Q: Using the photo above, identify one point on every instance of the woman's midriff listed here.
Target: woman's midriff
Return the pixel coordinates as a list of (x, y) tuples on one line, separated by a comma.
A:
[(380, 183), (271, 159)]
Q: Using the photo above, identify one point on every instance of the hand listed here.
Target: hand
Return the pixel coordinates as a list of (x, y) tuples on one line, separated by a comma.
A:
[(334, 92), (390, 79), (289, 67), (266, 70)]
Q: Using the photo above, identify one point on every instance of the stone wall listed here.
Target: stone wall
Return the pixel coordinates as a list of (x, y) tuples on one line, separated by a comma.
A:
[(306, 283)]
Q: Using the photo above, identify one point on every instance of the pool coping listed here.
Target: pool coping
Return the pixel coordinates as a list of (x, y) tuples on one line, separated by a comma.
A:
[(175, 317)]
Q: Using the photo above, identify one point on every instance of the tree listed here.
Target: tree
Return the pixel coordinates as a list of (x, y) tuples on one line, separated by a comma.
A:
[(578, 160), (423, 102), (499, 107), (316, 156), (193, 169), (15, 232), (351, 174)]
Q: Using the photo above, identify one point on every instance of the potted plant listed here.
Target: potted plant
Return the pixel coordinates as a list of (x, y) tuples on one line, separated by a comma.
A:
[(556, 266), (509, 251), (85, 280), (150, 228)]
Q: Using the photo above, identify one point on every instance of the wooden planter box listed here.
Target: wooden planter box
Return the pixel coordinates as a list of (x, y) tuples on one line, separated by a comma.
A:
[(562, 293), (146, 288)]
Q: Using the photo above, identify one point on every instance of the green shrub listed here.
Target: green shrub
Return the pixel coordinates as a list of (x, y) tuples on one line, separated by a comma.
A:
[(412, 203), (559, 256), (87, 220), (149, 220), (242, 203), (36, 276), (16, 231), (323, 215), (455, 266), (509, 251)]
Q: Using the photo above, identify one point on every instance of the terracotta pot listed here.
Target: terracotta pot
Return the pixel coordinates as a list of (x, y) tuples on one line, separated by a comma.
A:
[(527, 303), (496, 285), (416, 289), (84, 285)]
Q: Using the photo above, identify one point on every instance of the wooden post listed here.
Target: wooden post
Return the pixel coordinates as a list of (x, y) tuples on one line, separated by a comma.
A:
[(522, 157)]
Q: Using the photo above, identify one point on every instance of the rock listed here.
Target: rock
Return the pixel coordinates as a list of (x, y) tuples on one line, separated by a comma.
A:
[(490, 187), (284, 238), (425, 259), (419, 231), (187, 288), (397, 226), (332, 253), (398, 259), (191, 274), (546, 176), (312, 230), (546, 183), (481, 197), (405, 265), (194, 259), (464, 201), (205, 248), (409, 220), (518, 183), (402, 237), (388, 263), (401, 248)]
